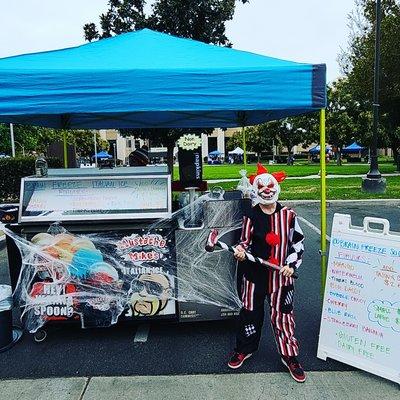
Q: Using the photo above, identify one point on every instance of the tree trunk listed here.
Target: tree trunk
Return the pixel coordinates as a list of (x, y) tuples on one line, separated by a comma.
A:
[(396, 156), (289, 147), (338, 157)]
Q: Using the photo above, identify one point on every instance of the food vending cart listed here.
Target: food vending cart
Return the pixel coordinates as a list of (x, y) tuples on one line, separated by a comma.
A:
[(102, 246)]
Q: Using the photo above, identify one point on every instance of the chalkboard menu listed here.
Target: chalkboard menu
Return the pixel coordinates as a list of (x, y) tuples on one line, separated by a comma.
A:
[(360, 322), (108, 197)]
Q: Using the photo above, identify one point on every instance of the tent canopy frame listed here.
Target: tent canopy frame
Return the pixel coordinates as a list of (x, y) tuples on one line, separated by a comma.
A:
[(148, 79)]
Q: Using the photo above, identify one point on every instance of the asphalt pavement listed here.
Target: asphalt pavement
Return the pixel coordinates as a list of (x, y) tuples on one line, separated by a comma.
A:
[(191, 348)]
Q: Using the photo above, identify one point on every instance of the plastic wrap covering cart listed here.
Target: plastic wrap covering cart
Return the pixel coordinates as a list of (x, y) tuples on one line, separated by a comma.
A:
[(89, 253), (214, 270)]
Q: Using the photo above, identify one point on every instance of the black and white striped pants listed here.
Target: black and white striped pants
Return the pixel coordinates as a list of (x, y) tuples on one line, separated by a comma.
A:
[(254, 289)]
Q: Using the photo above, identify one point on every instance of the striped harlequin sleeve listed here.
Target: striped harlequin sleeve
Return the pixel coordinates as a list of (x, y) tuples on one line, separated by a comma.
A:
[(247, 233), (296, 244)]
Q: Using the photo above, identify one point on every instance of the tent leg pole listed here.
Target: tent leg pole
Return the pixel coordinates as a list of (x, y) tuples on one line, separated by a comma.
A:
[(95, 148), (244, 147), (323, 200), (65, 149)]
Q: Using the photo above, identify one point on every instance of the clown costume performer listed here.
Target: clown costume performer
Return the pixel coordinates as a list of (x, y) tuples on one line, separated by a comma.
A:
[(269, 231)]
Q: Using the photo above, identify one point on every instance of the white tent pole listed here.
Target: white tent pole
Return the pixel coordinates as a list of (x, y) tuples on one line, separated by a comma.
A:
[(12, 140), (273, 151), (95, 148), (244, 147)]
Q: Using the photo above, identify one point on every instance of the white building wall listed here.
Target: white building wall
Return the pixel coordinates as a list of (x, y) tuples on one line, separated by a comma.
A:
[(103, 134), (220, 135), (221, 141), (204, 145), (121, 148)]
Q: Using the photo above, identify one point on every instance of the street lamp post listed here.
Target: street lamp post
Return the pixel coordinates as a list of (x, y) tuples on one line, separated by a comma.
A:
[(373, 182)]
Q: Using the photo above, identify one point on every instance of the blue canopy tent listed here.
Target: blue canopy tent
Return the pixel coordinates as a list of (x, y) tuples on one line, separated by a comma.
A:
[(316, 149), (353, 148), (102, 154), (147, 79), (214, 157)]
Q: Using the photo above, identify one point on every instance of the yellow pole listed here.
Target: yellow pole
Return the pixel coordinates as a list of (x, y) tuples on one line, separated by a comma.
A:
[(65, 149), (244, 147), (322, 158)]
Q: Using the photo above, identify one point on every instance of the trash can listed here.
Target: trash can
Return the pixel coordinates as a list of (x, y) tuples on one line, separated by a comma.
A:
[(9, 335)]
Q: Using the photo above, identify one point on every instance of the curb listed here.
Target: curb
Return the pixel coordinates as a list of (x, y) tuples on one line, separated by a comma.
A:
[(333, 176), (396, 201)]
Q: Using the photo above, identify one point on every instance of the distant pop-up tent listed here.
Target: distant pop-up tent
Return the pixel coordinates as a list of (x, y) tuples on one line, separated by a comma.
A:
[(237, 151), (354, 152), (316, 149), (354, 148), (102, 154), (147, 79), (215, 153)]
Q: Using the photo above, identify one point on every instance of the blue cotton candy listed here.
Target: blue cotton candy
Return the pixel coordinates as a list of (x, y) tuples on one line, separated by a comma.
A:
[(82, 262)]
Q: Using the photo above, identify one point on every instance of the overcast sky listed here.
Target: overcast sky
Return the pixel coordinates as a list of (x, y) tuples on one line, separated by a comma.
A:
[(300, 30)]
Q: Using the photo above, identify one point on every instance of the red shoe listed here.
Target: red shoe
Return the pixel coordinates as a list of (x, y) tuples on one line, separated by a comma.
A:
[(238, 359), (294, 367)]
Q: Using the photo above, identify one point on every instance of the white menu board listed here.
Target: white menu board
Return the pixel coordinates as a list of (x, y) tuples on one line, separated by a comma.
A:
[(360, 323), (49, 199)]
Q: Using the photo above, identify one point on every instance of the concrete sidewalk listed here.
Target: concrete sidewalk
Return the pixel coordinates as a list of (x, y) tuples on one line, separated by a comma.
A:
[(270, 386)]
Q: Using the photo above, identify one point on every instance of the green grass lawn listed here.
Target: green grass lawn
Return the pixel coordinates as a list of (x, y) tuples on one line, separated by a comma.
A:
[(232, 171), (337, 189)]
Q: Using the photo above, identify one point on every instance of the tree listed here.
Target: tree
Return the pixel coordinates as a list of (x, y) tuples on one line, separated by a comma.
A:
[(259, 138), (289, 132), (27, 138), (83, 140), (31, 139), (357, 61), (341, 117), (293, 131), (202, 20), (262, 138)]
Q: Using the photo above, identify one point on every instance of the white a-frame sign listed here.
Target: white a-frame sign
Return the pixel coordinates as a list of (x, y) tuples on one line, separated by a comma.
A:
[(360, 323)]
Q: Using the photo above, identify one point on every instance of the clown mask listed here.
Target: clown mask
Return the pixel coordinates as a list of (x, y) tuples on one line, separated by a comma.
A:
[(267, 189), (266, 186)]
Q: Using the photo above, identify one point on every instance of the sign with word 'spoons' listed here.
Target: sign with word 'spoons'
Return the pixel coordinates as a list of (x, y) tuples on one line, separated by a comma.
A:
[(360, 323)]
